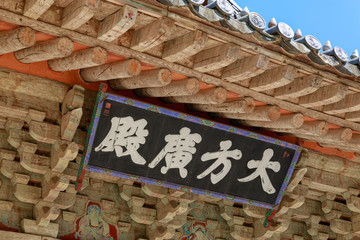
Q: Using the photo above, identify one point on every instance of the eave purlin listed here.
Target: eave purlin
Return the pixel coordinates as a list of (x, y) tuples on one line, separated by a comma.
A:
[(126, 52)]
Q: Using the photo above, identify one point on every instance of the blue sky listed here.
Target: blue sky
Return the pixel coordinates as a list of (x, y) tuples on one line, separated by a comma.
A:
[(334, 20)]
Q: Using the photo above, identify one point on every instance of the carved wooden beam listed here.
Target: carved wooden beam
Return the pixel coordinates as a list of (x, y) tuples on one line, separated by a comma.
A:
[(325, 95), (185, 87), (287, 121), (27, 194), (154, 191), (340, 226), (122, 69), (260, 113), (16, 39), (73, 99), (45, 212), (273, 78), (80, 59), (350, 103), (35, 163), (152, 34), (78, 13), (44, 132), (184, 46), (45, 50), (61, 154), (117, 24), (245, 68), (216, 57), (140, 214), (69, 124), (245, 105), (30, 226), (35, 8), (299, 87), (212, 96), (150, 78)]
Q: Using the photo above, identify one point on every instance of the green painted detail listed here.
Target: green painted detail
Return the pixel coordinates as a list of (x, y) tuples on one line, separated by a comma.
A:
[(130, 102), (153, 109), (207, 123), (182, 116), (98, 97)]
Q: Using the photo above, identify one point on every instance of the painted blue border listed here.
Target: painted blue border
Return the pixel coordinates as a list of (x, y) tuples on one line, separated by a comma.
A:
[(197, 120)]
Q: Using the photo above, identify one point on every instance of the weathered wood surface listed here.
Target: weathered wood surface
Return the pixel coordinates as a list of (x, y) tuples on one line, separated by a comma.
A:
[(16, 39), (273, 78), (117, 24), (245, 68), (185, 87), (287, 121), (260, 113), (80, 59), (78, 13), (35, 8), (45, 50), (152, 35), (216, 58), (299, 87), (324, 96), (150, 78), (122, 69), (204, 96), (184, 46), (246, 105)]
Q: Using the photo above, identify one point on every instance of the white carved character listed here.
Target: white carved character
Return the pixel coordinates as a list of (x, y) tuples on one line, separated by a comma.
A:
[(261, 167), (178, 151), (221, 158), (125, 137)]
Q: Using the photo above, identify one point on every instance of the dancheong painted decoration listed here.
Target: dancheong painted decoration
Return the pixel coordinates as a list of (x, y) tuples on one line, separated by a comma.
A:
[(146, 143)]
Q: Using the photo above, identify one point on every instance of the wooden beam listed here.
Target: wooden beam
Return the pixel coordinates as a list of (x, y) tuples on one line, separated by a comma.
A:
[(185, 87), (78, 13), (211, 96), (120, 50), (323, 96), (353, 116), (328, 182), (44, 132), (150, 78), (152, 34), (312, 128), (122, 69), (330, 163), (35, 8), (299, 87), (245, 68), (262, 113), (216, 57), (245, 105), (350, 103), (273, 78), (80, 59), (117, 24), (16, 39), (334, 136), (45, 50), (184, 46), (287, 121)]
